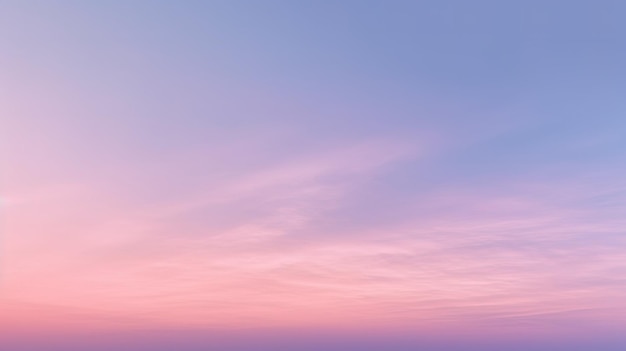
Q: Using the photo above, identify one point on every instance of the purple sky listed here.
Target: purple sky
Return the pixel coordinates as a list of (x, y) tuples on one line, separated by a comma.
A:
[(445, 175)]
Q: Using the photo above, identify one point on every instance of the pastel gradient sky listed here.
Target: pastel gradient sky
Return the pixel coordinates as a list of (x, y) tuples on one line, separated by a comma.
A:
[(299, 175)]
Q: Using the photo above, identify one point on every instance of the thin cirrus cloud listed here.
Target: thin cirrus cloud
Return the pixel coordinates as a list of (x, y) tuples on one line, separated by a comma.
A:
[(244, 177), (249, 248)]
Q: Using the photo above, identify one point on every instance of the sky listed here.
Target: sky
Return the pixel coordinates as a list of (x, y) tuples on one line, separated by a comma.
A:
[(354, 175)]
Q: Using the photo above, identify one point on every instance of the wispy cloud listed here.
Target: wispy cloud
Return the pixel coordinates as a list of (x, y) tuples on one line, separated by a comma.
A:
[(254, 249)]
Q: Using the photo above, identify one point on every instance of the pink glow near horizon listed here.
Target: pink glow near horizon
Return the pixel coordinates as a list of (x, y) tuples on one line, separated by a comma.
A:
[(83, 253)]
